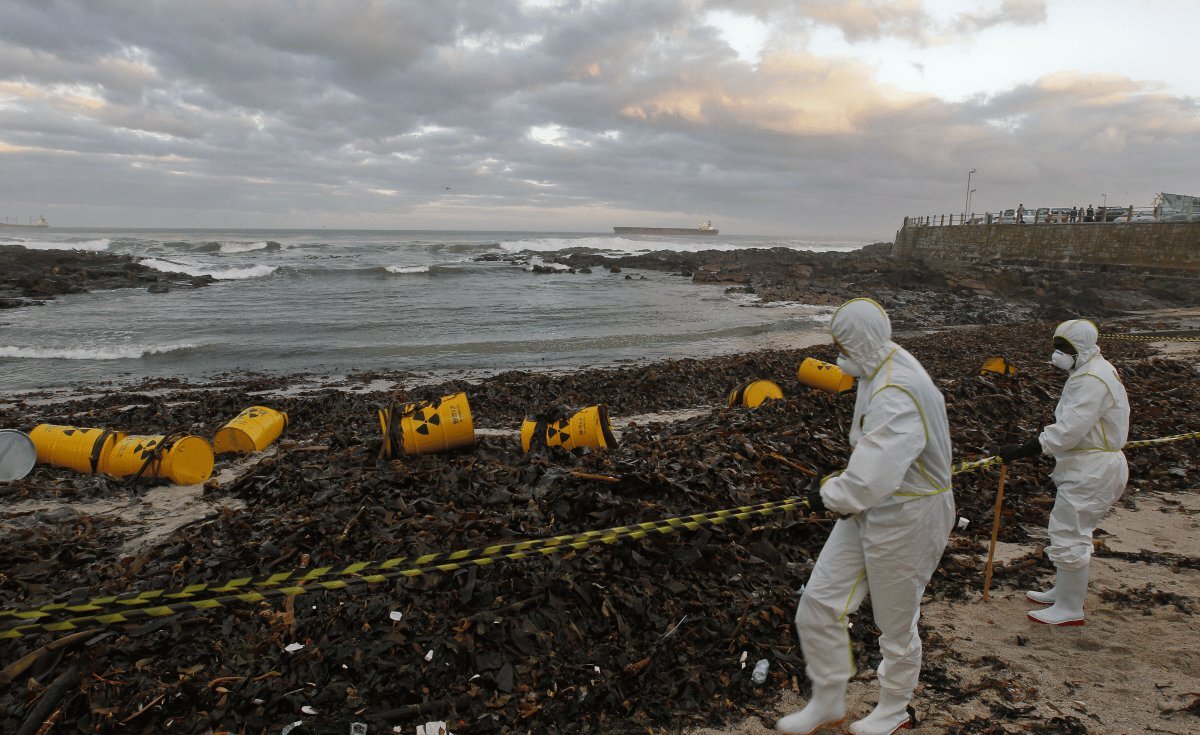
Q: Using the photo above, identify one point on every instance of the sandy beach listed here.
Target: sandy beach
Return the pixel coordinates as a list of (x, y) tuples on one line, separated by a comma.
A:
[(649, 635), (1131, 669)]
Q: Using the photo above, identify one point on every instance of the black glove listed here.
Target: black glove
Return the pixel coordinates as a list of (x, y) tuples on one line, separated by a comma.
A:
[(1011, 452), (813, 496)]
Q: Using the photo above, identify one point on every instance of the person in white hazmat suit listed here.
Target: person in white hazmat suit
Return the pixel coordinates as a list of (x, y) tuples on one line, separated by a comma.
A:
[(1091, 425), (898, 511)]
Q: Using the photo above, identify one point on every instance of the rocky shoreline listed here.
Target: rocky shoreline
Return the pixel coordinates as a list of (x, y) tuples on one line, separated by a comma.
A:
[(32, 277), (643, 635), (654, 634), (916, 294)]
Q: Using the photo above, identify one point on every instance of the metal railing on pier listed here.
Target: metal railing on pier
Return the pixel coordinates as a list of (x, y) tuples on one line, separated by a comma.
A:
[(1056, 215)]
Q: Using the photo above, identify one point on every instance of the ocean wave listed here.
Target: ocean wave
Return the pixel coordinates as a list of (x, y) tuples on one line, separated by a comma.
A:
[(536, 262), (94, 246), (404, 269), (229, 247), (220, 274), (109, 352), (247, 247), (555, 244)]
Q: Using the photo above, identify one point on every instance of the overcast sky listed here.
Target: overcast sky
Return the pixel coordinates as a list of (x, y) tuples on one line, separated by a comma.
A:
[(789, 117)]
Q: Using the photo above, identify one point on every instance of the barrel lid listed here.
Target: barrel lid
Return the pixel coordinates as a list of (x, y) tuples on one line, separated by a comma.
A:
[(17, 455)]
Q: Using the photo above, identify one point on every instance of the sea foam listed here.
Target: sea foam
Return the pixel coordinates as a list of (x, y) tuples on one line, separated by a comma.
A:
[(221, 274), (107, 352), (402, 269), (247, 247), (94, 246)]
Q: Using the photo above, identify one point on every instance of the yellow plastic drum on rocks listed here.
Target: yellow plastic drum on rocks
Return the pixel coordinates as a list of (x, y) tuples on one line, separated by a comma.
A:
[(427, 427), (824, 376), (17, 455), (753, 393), (72, 447), (587, 427), (182, 459), (997, 364), (252, 430)]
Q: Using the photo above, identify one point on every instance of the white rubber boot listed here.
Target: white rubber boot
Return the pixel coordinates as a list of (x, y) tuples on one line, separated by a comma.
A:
[(1043, 598), (889, 716), (1070, 590), (826, 711)]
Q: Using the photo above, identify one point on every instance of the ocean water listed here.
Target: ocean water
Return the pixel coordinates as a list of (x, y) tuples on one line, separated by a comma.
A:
[(330, 302)]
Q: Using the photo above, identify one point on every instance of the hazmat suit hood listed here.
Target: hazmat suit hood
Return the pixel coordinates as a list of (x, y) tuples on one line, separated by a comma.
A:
[(1082, 335), (862, 330)]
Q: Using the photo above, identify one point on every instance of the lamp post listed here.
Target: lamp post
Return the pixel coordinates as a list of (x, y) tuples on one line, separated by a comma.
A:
[(967, 200)]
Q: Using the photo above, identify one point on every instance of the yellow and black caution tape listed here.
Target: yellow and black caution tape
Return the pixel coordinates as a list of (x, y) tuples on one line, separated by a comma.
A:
[(202, 590), (974, 464), (358, 569), (533, 548), (1151, 337), (131, 608), (1161, 440)]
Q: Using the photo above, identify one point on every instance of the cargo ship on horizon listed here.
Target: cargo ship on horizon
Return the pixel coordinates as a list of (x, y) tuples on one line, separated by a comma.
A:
[(704, 228), (33, 225)]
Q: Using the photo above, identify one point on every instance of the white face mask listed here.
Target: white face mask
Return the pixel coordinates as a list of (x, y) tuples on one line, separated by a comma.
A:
[(1062, 360), (850, 367)]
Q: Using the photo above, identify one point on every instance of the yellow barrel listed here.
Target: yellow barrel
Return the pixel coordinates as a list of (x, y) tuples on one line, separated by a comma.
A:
[(753, 392), (587, 427), (997, 364), (427, 427), (823, 376), (252, 430), (72, 447), (184, 460)]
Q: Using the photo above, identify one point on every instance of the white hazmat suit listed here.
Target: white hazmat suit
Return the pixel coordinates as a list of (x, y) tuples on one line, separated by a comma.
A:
[(896, 492), (1091, 425)]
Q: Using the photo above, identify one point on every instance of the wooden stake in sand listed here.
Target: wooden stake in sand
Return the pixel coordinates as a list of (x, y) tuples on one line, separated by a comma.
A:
[(987, 572)]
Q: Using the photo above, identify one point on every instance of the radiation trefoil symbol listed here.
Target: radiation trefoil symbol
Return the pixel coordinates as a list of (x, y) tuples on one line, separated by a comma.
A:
[(426, 420), (554, 432)]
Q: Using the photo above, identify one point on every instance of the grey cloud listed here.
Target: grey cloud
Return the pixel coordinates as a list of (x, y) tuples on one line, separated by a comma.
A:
[(294, 114), (1015, 12)]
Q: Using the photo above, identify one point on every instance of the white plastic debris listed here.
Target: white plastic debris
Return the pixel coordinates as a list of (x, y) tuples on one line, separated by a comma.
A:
[(760, 671), (396, 615), (742, 660), (434, 728), (288, 728), (308, 709), (293, 647), (963, 523), (429, 656)]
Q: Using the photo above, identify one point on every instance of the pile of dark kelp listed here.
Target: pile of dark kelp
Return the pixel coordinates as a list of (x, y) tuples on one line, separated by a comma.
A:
[(659, 633)]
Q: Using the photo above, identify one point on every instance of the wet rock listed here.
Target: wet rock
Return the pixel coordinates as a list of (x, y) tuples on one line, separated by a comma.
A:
[(44, 274)]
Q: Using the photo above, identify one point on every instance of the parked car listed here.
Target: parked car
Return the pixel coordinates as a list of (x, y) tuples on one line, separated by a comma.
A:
[(1009, 217)]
